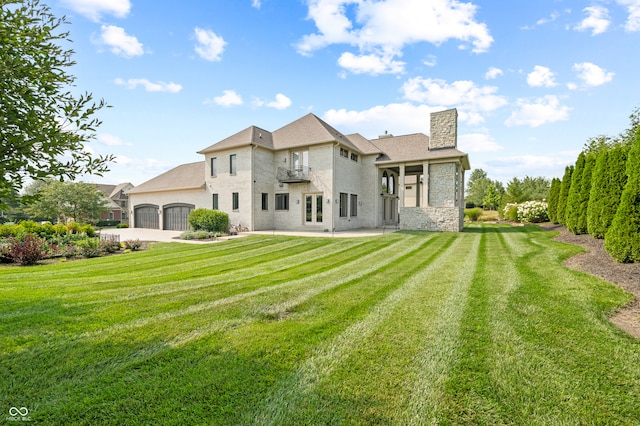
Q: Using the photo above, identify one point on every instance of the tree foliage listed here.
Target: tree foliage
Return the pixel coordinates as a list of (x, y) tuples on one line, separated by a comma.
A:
[(554, 193), (477, 187), (609, 179), (492, 197), (565, 187), (622, 240), (573, 199), (62, 201), (43, 126)]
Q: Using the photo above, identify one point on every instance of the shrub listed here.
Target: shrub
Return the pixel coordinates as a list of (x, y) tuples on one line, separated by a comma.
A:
[(510, 212), (102, 223), (109, 246), (69, 251), (90, 247), (60, 229), (554, 193), (198, 235), (208, 220), (533, 212), (9, 230), (88, 230), (573, 200), (122, 225), (27, 250), (565, 186), (473, 214), (73, 227), (132, 245)]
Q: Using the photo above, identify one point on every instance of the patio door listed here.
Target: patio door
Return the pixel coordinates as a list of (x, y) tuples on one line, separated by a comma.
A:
[(313, 209)]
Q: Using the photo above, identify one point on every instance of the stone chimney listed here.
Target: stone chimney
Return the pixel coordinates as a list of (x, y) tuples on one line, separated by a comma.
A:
[(444, 129)]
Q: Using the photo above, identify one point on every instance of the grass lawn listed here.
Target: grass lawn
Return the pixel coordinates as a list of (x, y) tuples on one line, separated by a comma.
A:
[(482, 327)]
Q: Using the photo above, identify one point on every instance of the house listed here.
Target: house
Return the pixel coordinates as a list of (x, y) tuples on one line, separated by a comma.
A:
[(309, 176), (117, 202)]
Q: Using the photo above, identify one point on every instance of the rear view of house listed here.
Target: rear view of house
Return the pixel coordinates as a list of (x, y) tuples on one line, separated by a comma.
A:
[(309, 176)]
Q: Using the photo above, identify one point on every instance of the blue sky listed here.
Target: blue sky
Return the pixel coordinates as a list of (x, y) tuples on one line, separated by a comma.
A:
[(532, 80)]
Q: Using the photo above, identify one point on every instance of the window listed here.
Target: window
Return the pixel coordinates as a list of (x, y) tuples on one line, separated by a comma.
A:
[(385, 182), (236, 201), (344, 153), (392, 185), (300, 160), (123, 204), (124, 215), (215, 201), (344, 199), (265, 201), (232, 164), (354, 156), (353, 204), (282, 201), (214, 167)]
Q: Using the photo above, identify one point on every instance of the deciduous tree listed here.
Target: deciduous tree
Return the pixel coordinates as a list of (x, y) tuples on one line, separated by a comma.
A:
[(43, 126), (62, 201)]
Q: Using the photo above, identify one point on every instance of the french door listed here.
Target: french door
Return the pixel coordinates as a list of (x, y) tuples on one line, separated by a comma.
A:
[(313, 208)]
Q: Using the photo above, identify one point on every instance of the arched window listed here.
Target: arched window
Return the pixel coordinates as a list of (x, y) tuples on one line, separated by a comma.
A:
[(385, 182), (392, 185)]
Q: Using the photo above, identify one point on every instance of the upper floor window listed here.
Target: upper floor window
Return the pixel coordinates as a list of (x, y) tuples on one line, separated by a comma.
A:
[(354, 156), (344, 153), (232, 164), (300, 160), (214, 166)]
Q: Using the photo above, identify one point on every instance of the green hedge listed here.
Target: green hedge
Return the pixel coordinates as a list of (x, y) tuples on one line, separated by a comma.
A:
[(209, 220)]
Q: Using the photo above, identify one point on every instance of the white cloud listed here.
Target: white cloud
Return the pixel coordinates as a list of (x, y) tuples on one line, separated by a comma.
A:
[(477, 142), (383, 28), (470, 100), (598, 20), (542, 111), (256, 4), (120, 42), (228, 98), (541, 77), (111, 140), (149, 86), (430, 61), (397, 118), (370, 64), (493, 73), (209, 45), (551, 165), (542, 21), (592, 75), (633, 20), (93, 9), (281, 102)]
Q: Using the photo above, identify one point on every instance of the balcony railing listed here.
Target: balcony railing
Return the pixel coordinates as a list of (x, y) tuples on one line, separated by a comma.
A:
[(297, 175)]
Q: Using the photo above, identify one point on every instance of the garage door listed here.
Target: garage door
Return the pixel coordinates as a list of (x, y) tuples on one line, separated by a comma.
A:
[(175, 217), (146, 217)]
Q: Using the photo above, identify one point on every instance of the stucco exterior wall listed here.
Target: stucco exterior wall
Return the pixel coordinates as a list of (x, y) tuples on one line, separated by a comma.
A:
[(264, 175), (354, 177)]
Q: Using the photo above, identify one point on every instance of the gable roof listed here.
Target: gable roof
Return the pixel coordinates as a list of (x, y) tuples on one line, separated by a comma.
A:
[(252, 135), (364, 145), (307, 130), (185, 176), (414, 147)]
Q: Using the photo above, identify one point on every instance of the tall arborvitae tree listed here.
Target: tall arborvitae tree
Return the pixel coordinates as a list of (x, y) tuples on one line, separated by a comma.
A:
[(622, 240), (580, 226), (565, 186), (552, 204), (573, 200), (609, 179)]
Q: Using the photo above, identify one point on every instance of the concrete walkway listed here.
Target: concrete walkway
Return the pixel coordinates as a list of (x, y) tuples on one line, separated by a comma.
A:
[(172, 236)]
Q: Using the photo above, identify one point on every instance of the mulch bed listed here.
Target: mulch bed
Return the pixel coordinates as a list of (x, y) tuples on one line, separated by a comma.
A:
[(596, 261)]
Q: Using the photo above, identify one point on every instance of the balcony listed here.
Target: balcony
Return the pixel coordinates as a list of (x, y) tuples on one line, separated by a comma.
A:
[(297, 175)]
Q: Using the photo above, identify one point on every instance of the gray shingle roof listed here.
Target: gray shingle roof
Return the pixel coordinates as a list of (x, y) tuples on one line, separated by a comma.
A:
[(364, 145), (185, 176), (414, 147), (252, 135)]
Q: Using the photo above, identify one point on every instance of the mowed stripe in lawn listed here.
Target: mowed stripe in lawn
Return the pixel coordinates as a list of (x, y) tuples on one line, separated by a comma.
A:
[(295, 391)]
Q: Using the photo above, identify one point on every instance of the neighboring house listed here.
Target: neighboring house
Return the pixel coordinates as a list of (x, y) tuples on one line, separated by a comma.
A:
[(118, 202), (309, 176)]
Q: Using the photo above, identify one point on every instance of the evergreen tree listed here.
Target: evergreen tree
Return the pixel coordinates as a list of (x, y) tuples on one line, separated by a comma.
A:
[(492, 197), (565, 186), (552, 205), (609, 180), (477, 187), (622, 240), (580, 225), (573, 200)]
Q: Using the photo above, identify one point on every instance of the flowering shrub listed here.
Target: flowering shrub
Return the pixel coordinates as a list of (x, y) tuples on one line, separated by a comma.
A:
[(527, 212), (132, 244)]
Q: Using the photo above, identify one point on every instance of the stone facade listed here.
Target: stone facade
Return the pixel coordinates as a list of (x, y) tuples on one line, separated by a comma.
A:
[(444, 129), (430, 219)]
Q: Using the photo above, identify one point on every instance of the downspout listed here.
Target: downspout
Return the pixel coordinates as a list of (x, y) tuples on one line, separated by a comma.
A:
[(253, 195), (333, 186)]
